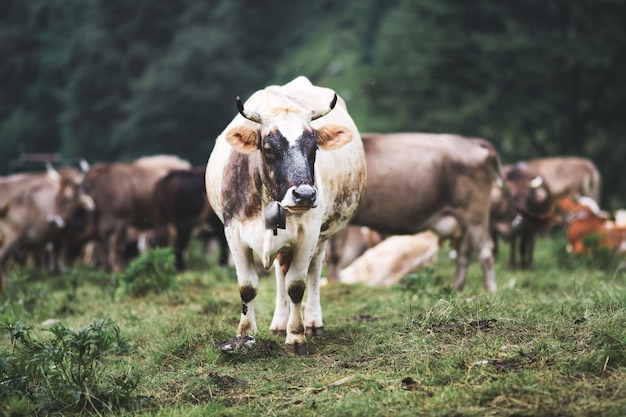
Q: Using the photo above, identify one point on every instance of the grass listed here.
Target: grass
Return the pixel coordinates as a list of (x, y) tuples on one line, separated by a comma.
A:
[(551, 342)]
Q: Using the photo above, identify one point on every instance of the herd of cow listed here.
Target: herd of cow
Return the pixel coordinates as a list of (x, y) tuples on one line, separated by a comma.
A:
[(290, 173)]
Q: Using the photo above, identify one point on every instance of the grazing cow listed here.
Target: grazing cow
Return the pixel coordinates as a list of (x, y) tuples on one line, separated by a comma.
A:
[(180, 205), (34, 208), (519, 210), (568, 175), (585, 221), (419, 181), (284, 176), (123, 197)]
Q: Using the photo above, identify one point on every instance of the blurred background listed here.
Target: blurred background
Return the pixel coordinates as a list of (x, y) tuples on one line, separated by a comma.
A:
[(109, 80)]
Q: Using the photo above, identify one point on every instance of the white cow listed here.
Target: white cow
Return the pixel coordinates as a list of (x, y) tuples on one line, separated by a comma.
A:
[(284, 176)]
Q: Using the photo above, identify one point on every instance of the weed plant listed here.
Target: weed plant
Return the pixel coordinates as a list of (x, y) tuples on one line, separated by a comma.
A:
[(152, 271), (74, 371)]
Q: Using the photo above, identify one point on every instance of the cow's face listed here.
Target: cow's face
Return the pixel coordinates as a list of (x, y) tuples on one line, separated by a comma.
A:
[(288, 146), (289, 168), (70, 199)]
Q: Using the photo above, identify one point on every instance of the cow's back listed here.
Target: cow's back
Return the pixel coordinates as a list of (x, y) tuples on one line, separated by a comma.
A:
[(569, 175), (413, 179)]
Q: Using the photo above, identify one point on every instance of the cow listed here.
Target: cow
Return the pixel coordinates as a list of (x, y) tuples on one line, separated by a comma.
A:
[(386, 262), (569, 176), (123, 197), (34, 208), (586, 221), (284, 176), (519, 210), (346, 246), (180, 205), (438, 182)]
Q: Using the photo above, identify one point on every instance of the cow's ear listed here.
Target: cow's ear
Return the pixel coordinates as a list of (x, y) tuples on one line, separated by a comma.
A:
[(333, 137), (243, 138)]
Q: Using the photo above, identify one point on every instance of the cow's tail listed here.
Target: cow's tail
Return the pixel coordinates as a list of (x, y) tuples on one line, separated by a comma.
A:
[(592, 185), (493, 161)]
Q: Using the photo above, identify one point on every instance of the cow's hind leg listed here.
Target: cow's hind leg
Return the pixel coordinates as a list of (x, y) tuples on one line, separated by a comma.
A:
[(462, 263), (484, 245)]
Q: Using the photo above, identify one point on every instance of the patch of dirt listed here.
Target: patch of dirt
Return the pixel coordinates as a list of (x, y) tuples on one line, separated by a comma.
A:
[(224, 381), (364, 318)]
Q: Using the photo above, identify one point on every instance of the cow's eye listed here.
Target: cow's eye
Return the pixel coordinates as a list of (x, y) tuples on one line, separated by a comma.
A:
[(269, 153)]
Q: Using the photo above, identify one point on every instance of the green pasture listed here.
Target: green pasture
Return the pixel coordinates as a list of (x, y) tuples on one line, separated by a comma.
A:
[(551, 342)]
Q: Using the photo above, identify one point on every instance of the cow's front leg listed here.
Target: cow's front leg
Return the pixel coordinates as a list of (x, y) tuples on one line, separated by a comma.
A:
[(281, 309), (313, 310), (295, 282), (248, 282)]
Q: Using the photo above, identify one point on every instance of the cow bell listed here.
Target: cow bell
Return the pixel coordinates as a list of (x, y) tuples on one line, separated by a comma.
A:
[(275, 217)]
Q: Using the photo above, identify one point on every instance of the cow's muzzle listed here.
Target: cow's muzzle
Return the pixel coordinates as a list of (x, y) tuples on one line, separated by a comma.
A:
[(300, 198)]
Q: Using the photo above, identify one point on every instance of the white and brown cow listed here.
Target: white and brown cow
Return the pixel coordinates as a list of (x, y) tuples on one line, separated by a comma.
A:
[(284, 176), (438, 182)]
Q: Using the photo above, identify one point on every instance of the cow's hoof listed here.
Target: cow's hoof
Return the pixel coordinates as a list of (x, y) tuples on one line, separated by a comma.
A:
[(297, 349), (315, 331)]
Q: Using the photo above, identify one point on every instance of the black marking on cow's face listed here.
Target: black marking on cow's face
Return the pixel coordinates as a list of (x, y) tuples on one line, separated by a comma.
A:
[(287, 165)]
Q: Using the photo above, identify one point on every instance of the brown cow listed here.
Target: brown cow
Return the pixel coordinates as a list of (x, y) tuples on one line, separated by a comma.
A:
[(123, 197), (519, 210), (420, 181), (584, 221), (568, 175), (181, 204), (34, 208)]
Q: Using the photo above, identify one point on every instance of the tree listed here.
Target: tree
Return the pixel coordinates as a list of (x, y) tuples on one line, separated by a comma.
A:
[(536, 78)]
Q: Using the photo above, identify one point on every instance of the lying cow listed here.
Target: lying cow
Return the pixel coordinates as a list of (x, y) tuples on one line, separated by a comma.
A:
[(180, 206), (34, 209), (386, 262), (122, 193), (438, 182), (346, 246), (585, 221), (284, 176), (519, 210)]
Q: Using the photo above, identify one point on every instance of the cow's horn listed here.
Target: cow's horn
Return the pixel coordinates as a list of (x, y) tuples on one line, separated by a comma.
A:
[(316, 114), (52, 173), (536, 182), (84, 165), (255, 117)]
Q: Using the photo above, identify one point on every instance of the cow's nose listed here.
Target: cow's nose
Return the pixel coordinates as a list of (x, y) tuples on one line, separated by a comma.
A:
[(304, 195)]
